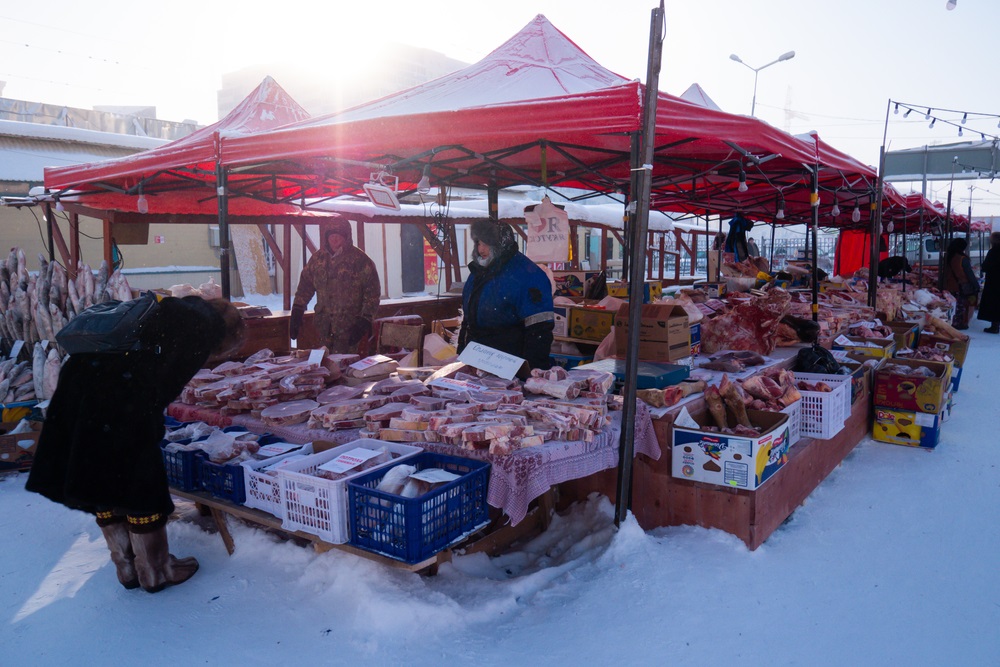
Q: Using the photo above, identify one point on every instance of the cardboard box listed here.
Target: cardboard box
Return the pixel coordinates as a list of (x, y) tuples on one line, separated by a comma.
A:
[(883, 347), (589, 323), (715, 290), (561, 321), (651, 290), (905, 427), (664, 332), (957, 348), (730, 460), (572, 283), (17, 451), (905, 334), (916, 394)]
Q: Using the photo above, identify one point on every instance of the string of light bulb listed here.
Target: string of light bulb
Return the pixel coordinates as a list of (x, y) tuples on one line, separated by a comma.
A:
[(936, 115)]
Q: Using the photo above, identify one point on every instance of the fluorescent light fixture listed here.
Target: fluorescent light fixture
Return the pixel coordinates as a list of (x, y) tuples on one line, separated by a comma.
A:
[(382, 196)]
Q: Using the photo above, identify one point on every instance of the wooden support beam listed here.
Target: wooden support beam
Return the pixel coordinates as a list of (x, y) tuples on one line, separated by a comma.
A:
[(74, 245)]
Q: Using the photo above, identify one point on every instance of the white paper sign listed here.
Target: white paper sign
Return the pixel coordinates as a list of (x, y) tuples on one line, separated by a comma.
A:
[(457, 385), (368, 362), (548, 233), (434, 475), (316, 356), (349, 460), (276, 449), (493, 361), (926, 420), (15, 349)]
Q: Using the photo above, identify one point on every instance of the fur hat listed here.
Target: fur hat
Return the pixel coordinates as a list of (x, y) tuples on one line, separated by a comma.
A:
[(486, 231), (337, 225)]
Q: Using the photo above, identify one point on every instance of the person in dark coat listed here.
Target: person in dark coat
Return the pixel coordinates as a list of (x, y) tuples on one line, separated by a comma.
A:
[(345, 282), (961, 281), (99, 447), (989, 300), (507, 300)]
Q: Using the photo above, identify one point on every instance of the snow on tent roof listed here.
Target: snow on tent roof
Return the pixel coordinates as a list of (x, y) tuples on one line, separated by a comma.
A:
[(697, 95), (538, 61)]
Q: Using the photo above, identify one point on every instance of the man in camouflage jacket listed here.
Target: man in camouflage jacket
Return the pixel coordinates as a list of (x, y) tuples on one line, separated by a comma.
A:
[(345, 282)]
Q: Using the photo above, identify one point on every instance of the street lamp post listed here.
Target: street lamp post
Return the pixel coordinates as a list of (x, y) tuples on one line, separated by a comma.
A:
[(756, 71)]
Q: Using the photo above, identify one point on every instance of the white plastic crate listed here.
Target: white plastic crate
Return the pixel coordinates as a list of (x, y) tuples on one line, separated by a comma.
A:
[(794, 412), (318, 506), (263, 489), (824, 412)]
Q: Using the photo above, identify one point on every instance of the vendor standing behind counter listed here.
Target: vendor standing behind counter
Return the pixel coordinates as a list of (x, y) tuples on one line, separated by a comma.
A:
[(507, 300), (345, 282)]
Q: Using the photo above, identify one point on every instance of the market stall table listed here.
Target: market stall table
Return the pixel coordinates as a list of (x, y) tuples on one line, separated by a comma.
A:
[(515, 479)]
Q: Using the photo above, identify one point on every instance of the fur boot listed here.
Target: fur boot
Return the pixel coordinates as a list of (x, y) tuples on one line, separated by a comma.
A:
[(154, 564), (117, 537)]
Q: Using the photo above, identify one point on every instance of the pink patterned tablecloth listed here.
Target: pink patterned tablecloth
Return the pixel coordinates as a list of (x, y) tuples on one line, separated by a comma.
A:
[(520, 477)]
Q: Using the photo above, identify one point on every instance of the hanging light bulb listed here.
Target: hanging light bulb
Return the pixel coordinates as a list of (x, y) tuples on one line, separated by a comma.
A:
[(960, 131), (933, 120), (142, 205), (906, 114), (856, 214), (896, 111), (743, 181), (59, 206), (780, 215), (424, 184), (951, 4), (928, 115), (965, 117), (835, 211)]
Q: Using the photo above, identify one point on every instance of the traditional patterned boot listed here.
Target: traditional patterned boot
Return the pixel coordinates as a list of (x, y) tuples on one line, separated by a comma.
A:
[(117, 536), (154, 564)]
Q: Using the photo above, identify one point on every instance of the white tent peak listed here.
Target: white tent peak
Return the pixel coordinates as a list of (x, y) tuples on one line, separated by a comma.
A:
[(538, 61), (697, 95)]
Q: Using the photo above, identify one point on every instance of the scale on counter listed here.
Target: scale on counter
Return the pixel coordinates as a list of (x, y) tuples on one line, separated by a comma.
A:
[(650, 375)]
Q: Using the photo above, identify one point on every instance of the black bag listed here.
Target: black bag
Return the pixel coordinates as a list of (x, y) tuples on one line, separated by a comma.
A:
[(816, 359), (112, 326), (969, 288)]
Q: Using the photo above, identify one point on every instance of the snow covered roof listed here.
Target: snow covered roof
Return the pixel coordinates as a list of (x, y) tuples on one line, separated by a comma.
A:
[(604, 215), (27, 148), (538, 61), (697, 95)]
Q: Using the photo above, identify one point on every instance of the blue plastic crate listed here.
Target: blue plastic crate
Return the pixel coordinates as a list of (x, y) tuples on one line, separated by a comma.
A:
[(415, 529), (569, 361), (222, 480), (182, 468)]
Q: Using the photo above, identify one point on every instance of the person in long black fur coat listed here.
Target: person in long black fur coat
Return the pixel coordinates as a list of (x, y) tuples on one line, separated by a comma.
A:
[(99, 446)]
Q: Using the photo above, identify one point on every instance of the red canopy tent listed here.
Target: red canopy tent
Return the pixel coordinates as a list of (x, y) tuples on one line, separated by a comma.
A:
[(177, 182)]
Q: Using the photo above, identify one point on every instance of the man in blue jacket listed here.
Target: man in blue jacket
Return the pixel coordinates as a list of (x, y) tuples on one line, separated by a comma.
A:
[(507, 300)]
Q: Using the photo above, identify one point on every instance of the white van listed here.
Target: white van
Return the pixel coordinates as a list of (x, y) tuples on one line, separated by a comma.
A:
[(932, 247)]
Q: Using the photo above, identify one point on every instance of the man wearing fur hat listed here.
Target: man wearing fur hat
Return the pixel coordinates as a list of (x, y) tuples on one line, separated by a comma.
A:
[(507, 300), (345, 282)]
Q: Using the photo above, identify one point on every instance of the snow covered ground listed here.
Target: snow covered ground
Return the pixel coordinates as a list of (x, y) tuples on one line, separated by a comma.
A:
[(893, 560)]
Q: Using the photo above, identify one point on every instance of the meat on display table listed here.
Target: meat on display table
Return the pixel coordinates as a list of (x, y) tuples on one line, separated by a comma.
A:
[(515, 479), (660, 499)]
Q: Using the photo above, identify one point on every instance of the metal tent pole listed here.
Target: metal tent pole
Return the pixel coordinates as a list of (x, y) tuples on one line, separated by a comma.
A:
[(626, 448)]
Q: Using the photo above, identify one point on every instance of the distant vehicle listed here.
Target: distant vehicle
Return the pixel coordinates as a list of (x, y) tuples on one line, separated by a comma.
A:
[(929, 252)]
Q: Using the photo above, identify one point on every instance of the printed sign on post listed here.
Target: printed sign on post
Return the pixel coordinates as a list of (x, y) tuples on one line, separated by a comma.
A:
[(548, 233), (490, 360)]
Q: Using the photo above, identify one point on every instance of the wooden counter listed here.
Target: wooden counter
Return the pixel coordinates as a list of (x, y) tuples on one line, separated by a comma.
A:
[(272, 331), (660, 499)]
